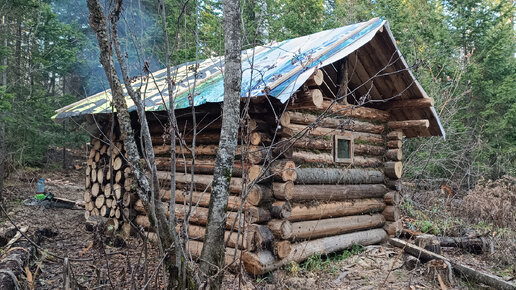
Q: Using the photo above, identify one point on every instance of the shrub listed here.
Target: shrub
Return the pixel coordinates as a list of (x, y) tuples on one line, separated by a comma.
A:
[(493, 202)]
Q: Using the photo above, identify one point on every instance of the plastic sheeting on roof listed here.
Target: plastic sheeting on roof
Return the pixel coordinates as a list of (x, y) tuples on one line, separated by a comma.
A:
[(280, 68)]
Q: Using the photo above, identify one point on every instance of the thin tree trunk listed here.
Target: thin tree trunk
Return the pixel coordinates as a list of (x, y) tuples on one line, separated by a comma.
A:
[(2, 156), (173, 123), (212, 257), (144, 187)]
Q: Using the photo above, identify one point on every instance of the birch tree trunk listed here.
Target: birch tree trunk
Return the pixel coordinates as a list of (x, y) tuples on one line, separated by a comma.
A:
[(212, 256), (145, 187)]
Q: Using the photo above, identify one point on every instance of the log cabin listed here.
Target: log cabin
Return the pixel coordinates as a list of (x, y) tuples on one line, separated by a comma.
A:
[(319, 160)]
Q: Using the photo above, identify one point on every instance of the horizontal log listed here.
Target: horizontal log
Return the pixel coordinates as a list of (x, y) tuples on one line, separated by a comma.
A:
[(303, 212), (200, 180), (324, 132), (283, 191), (395, 135), (335, 226), (335, 123), (333, 192), (282, 249), (254, 154), (201, 166), (338, 176), (356, 112), (408, 124), (257, 215), (409, 104), (392, 198), (259, 237), (280, 228), (366, 149), (394, 144), (280, 209), (301, 157), (198, 232), (310, 99), (394, 154), (264, 261), (198, 216), (279, 170), (391, 213), (316, 79), (393, 169), (323, 144), (201, 198), (231, 258), (393, 229)]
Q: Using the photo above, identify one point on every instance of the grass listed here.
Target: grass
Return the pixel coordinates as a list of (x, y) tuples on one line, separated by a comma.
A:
[(326, 263)]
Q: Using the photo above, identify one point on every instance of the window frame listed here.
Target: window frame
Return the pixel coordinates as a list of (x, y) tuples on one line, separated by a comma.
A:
[(343, 136)]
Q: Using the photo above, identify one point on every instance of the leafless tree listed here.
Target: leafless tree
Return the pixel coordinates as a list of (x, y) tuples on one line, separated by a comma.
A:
[(212, 257), (145, 188)]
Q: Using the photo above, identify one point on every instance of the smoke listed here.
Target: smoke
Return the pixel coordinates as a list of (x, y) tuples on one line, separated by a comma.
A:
[(139, 36)]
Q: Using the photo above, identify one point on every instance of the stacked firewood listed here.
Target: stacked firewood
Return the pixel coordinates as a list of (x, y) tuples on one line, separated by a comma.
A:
[(108, 180)]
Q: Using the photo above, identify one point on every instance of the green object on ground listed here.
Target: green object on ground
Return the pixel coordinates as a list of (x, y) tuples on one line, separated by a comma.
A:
[(40, 196)]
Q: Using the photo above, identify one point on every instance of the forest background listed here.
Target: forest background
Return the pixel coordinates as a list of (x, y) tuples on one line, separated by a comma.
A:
[(462, 52)]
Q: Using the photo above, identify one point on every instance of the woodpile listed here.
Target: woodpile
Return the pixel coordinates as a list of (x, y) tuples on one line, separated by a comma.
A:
[(108, 180)]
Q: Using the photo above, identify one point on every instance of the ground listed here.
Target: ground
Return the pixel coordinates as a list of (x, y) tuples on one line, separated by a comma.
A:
[(102, 265)]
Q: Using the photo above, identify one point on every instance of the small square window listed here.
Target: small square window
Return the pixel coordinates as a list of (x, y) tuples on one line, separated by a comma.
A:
[(343, 148)]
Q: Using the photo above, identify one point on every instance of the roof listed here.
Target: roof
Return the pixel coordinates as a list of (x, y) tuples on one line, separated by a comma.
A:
[(277, 69)]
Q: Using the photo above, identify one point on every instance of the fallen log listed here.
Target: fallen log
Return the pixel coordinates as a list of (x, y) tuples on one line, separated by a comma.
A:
[(264, 261), (472, 245), (461, 269), (14, 262), (302, 212), (333, 192), (334, 226), (338, 176)]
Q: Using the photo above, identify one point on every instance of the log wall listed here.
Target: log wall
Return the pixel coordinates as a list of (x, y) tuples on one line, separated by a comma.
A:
[(295, 200)]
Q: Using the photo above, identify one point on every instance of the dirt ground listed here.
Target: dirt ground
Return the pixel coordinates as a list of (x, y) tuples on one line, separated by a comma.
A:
[(97, 264)]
